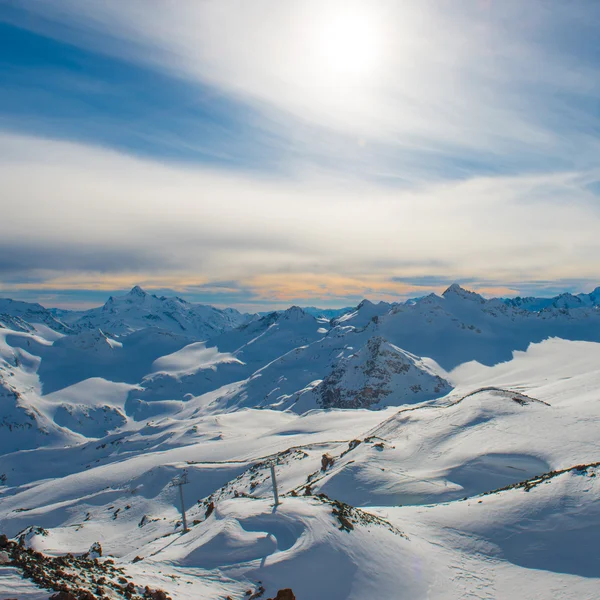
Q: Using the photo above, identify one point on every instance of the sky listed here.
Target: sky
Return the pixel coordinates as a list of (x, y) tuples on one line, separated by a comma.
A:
[(275, 152)]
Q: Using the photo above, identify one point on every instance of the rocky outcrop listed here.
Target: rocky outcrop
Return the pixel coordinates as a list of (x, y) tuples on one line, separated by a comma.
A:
[(76, 577), (379, 374), (285, 594)]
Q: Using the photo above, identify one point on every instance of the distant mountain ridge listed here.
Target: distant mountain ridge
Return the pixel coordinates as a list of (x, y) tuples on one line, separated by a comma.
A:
[(564, 300), (138, 309), (68, 374)]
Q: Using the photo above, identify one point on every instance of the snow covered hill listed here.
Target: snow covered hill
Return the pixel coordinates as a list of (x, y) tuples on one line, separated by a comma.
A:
[(408, 503)]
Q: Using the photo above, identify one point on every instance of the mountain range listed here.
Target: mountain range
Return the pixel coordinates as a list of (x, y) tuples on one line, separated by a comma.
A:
[(404, 433)]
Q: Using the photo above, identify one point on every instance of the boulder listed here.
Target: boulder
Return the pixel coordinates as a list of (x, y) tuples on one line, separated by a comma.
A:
[(95, 550), (286, 594)]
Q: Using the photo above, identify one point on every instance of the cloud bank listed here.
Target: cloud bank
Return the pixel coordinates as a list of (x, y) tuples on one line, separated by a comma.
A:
[(79, 215), (461, 144)]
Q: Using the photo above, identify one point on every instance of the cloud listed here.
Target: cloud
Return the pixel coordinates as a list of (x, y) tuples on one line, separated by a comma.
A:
[(464, 84), (77, 216), (467, 151)]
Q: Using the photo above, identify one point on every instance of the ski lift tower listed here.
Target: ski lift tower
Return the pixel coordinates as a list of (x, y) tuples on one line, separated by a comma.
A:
[(179, 482), (274, 481)]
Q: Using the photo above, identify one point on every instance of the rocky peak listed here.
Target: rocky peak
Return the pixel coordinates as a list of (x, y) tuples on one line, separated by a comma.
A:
[(567, 300), (294, 313), (456, 291), (429, 299), (379, 373), (365, 303), (137, 292)]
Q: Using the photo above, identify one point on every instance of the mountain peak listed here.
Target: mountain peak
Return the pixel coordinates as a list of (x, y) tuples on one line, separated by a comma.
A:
[(136, 290), (364, 303), (456, 290), (294, 313)]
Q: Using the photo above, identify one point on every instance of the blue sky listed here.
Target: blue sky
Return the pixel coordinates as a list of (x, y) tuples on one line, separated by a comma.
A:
[(259, 154)]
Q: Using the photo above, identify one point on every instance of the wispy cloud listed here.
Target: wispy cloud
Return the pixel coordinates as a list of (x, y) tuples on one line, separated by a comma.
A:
[(212, 142), (93, 216), (458, 87)]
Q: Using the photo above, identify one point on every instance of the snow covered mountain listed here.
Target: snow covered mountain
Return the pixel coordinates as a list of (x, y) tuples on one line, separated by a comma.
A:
[(15, 312), (365, 312), (461, 326), (450, 442), (377, 374), (564, 300), (138, 310)]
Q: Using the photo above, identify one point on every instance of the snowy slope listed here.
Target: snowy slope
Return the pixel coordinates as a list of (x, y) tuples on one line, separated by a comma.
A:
[(93, 353), (32, 313), (461, 326), (23, 423), (408, 470), (365, 312), (55, 392), (241, 353)]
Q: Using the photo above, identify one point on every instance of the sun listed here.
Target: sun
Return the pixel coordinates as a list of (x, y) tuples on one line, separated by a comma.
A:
[(347, 44), (334, 60)]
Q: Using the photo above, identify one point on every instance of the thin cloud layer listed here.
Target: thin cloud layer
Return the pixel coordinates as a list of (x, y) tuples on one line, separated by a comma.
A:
[(299, 150), (86, 206), (465, 81)]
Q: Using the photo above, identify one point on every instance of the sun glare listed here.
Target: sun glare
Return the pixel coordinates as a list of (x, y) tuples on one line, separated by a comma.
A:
[(347, 45)]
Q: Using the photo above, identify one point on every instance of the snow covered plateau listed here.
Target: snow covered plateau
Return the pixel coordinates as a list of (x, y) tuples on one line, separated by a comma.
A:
[(443, 448)]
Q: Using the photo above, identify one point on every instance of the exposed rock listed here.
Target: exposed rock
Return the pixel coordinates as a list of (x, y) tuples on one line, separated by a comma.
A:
[(326, 462), (95, 550), (63, 596), (155, 595), (286, 594), (379, 373), (77, 577), (4, 558)]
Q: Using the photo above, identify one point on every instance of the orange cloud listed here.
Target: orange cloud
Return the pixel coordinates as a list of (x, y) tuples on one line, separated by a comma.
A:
[(103, 282), (292, 287)]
